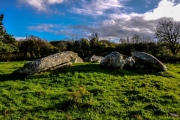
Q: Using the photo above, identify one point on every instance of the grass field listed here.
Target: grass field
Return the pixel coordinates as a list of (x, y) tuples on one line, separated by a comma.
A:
[(89, 91)]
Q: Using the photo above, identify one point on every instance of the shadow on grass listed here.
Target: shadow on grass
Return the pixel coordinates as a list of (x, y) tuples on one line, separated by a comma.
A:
[(83, 68), (96, 68), (10, 77)]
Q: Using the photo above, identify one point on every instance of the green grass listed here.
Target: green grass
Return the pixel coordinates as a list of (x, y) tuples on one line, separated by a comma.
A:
[(89, 91)]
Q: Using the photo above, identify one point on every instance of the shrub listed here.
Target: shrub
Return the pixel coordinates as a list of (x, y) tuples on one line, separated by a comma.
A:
[(81, 96)]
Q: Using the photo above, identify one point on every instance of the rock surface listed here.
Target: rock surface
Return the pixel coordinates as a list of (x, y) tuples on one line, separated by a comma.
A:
[(148, 60), (51, 62), (113, 60), (173, 114), (129, 61), (96, 59)]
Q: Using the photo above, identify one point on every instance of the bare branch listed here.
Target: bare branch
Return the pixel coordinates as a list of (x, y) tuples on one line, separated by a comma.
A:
[(169, 32)]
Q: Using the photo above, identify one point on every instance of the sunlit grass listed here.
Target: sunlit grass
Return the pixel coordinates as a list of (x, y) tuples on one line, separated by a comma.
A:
[(89, 91)]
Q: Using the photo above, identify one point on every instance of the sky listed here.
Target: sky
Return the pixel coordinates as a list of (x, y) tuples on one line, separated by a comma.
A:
[(74, 19)]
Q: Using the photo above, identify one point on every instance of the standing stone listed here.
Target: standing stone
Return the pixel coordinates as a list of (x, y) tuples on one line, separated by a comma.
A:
[(51, 62), (148, 60), (113, 60)]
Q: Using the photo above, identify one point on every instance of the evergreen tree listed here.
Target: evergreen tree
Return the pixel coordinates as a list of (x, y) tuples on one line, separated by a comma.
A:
[(1, 26)]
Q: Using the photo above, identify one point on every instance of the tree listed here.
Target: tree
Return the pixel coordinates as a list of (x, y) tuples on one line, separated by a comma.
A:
[(136, 38), (36, 47), (169, 32), (141, 39), (4, 36), (94, 38), (1, 24), (7, 42), (85, 47)]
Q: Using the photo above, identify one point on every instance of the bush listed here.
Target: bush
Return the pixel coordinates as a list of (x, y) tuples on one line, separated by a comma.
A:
[(81, 96)]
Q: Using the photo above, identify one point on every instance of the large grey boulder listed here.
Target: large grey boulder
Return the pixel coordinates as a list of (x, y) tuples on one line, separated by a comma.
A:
[(148, 61), (96, 59), (113, 60), (51, 62)]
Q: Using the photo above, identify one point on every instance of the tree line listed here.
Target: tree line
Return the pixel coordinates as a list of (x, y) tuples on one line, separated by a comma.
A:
[(166, 49)]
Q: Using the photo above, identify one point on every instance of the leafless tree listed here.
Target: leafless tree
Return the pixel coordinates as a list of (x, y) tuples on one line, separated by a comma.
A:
[(141, 39), (136, 38), (169, 32)]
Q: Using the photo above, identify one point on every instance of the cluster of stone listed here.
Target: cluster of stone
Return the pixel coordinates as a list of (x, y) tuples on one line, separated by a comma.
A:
[(112, 60), (116, 60)]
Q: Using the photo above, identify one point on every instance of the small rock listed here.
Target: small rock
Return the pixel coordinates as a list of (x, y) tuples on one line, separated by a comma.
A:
[(96, 59), (173, 115), (130, 61)]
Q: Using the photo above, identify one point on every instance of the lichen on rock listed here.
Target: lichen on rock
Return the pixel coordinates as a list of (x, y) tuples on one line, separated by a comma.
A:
[(51, 62)]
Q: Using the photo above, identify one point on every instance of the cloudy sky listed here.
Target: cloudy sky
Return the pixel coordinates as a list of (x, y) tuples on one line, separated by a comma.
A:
[(62, 19)]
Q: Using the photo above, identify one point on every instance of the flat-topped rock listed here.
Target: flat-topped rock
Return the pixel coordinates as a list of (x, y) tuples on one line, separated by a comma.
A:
[(51, 62), (149, 60)]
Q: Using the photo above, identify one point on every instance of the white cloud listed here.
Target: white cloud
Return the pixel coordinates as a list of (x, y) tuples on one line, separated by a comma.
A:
[(124, 16), (52, 28), (19, 37), (128, 24), (116, 25), (55, 1), (166, 8), (41, 5), (96, 7)]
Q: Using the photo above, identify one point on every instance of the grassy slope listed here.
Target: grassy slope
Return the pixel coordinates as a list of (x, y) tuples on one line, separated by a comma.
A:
[(89, 91)]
